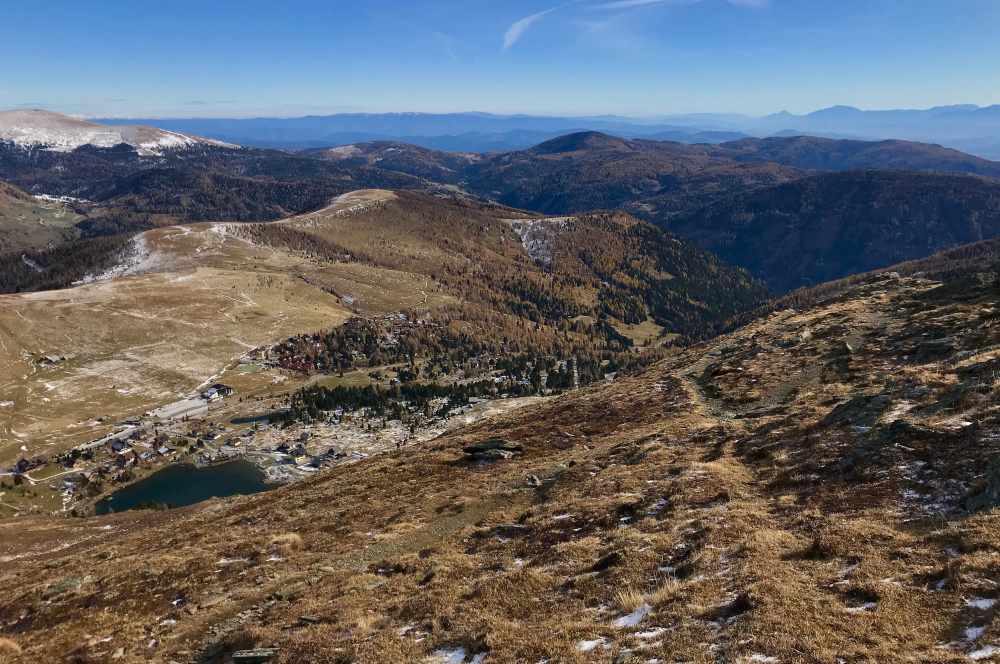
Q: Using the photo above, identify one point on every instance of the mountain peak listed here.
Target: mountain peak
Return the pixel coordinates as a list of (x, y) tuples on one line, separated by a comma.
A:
[(583, 140), (836, 110)]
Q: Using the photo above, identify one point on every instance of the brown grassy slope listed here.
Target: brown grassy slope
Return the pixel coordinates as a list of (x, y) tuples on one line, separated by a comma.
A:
[(594, 263), (27, 223), (199, 300), (793, 490)]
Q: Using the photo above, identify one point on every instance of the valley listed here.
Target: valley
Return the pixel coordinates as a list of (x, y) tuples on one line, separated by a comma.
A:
[(117, 361), (599, 400), (582, 332)]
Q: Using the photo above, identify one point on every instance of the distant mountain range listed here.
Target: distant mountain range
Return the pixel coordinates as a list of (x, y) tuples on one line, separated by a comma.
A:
[(964, 127), (793, 211), (458, 132), (655, 180)]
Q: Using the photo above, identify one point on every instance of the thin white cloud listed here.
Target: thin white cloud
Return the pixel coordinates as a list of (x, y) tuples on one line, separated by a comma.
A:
[(519, 27), (628, 4)]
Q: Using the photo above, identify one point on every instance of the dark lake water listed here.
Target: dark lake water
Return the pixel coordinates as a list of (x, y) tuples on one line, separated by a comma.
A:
[(178, 485)]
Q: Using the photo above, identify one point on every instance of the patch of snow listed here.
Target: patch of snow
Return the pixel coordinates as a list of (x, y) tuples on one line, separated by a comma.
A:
[(981, 603), (867, 606), (537, 236), (974, 632), (651, 633), (984, 652), (764, 659), (634, 618), (47, 198), (587, 646), (454, 656), (31, 264), (657, 507), (134, 260)]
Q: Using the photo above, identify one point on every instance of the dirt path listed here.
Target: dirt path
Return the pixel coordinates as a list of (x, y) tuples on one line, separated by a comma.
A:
[(692, 376)]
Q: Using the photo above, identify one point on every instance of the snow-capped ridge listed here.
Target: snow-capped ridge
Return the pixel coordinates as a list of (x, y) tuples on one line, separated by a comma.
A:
[(55, 132)]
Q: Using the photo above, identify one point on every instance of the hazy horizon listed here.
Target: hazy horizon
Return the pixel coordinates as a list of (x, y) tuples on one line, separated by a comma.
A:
[(651, 118), (635, 58)]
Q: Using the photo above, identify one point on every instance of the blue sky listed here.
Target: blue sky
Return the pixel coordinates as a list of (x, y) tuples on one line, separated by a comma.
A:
[(632, 57)]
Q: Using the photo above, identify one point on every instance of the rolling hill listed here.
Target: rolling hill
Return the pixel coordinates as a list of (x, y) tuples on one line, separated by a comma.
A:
[(794, 211), (590, 170), (702, 192), (435, 165), (544, 269), (153, 316), (825, 154), (652, 179)]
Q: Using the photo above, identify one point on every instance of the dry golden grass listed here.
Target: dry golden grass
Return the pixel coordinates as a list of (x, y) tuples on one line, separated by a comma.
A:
[(286, 543), (139, 342), (28, 223), (629, 598)]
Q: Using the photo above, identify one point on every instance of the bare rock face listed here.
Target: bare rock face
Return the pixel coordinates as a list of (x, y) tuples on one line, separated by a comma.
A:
[(255, 656)]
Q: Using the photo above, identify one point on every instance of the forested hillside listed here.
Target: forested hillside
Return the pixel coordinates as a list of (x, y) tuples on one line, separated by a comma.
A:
[(829, 226)]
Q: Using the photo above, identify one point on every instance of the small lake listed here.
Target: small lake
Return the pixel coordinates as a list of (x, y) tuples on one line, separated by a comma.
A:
[(179, 485)]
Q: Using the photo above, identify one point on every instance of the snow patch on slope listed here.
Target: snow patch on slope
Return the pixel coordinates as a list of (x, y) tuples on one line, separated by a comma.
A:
[(537, 236), (136, 259), (343, 152)]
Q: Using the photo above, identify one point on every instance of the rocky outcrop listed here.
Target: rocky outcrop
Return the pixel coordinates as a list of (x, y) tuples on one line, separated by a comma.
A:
[(492, 449)]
